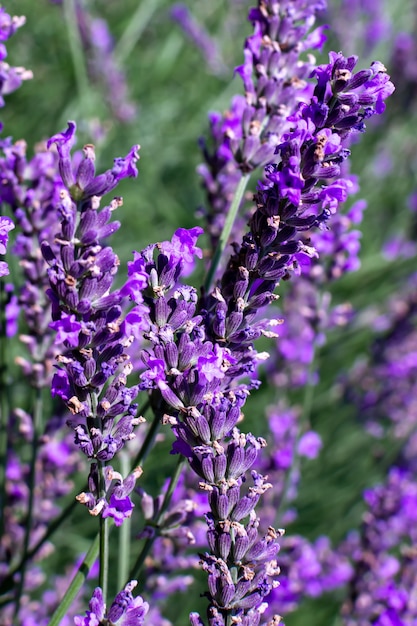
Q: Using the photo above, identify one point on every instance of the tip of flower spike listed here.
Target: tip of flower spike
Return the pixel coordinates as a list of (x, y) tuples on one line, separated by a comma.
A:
[(131, 585), (66, 138), (124, 167)]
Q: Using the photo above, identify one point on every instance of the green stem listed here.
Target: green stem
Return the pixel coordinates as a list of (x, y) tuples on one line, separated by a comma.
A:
[(76, 47), (104, 555), (104, 521), (137, 24), (124, 532), (165, 504), (37, 429), (227, 229), (76, 583)]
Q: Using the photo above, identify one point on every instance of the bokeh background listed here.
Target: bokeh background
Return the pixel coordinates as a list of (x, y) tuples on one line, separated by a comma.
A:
[(171, 85)]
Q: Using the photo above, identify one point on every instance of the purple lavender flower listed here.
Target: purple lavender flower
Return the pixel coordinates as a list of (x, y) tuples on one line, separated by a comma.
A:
[(31, 188), (6, 225), (198, 35), (10, 77), (382, 588), (195, 361), (193, 376), (301, 192), (384, 386), (88, 318), (274, 78), (125, 610), (102, 65), (199, 349), (309, 444), (82, 183)]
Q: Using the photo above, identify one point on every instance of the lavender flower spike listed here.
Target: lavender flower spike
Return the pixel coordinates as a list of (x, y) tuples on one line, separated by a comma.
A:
[(6, 225), (93, 365), (125, 610), (198, 381), (82, 183), (274, 76), (10, 77)]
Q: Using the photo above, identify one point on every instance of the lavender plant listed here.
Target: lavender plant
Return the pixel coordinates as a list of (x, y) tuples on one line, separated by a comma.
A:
[(382, 587), (190, 355)]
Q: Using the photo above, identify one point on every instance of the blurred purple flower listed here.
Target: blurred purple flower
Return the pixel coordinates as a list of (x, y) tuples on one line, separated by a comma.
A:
[(309, 445)]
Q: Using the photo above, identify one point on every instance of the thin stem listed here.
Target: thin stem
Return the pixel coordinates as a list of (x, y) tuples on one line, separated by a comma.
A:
[(104, 555), (37, 428), (77, 583), (76, 47), (165, 504), (104, 521), (137, 24), (124, 531), (227, 229)]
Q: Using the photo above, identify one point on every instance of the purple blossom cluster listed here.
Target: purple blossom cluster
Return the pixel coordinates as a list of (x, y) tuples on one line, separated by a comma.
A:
[(193, 377), (87, 317), (274, 76), (6, 225), (383, 387), (10, 79), (197, 357), (301, 191), (31, 189), (382, 588), (125, 610), (199, 36)]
